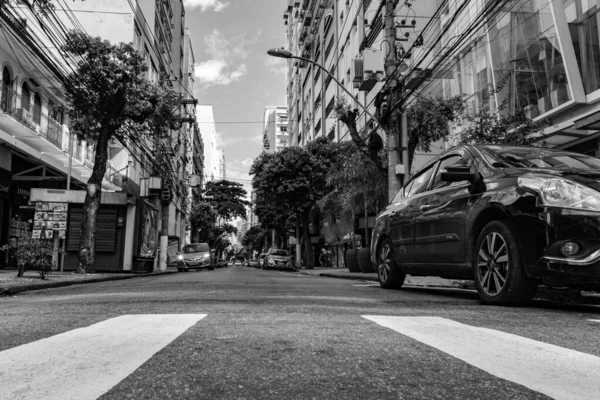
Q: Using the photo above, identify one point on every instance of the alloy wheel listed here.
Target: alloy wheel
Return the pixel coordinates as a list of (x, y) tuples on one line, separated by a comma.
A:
[(493, 264), (385, 262)]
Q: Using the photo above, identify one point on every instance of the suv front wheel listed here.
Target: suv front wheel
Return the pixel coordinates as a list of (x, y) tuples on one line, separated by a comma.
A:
[(390, 275), (498, 270)]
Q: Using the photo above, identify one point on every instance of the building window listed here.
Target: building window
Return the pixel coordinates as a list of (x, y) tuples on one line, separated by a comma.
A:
[(6, 90), (37, 109), (528, 66), (25, 97), (582, 17)]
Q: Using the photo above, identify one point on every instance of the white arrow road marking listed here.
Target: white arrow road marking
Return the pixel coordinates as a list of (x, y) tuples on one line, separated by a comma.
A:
[(85, 363), (594, 320), (552, 370)]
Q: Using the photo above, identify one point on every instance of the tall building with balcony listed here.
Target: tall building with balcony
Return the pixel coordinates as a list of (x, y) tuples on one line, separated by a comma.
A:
[(208, 130), (536, 57), (275, 134), (34, 138)]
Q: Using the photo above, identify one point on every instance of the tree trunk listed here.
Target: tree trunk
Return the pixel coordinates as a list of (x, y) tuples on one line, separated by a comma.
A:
[(91, 206), (309, 256), (298, 244), (366, 224)]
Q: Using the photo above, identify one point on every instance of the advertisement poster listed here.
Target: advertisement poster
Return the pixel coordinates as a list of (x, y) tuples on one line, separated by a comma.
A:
[(48, 218), (148, 231)]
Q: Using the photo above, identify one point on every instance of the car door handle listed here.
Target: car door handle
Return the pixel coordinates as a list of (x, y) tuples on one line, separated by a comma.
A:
[(425, 207)]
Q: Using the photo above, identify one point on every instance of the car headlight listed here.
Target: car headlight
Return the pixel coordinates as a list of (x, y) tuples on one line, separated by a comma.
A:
[(562, 193), (271, 261), (206, 255), (180, 257)]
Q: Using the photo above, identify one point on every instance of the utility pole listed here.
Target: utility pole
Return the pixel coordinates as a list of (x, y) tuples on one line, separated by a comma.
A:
[(395, 121)]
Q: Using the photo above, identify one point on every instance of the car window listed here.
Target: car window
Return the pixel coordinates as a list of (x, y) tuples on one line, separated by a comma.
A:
[(456, 159), (195, 248), (420, 182), (531, 157), (280, 253)]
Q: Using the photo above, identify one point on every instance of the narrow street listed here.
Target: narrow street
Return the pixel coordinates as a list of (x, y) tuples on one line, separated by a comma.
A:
[(245, 333)]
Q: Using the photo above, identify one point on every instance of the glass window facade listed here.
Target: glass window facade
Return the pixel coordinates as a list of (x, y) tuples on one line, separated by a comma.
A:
[(516, 64), (582, 17)]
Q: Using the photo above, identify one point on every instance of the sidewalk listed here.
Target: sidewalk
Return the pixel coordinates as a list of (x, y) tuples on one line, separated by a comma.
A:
[(421, 281), (10, 284)]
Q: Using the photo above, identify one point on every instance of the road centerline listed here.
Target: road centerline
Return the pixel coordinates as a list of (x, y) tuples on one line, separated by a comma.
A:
[(555, 371), (87, 362)]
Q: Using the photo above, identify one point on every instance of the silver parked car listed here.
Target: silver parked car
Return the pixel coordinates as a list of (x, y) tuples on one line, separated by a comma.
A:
[(195, 256)]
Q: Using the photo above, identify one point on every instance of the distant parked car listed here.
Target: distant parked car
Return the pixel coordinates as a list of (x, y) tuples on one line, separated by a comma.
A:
[(261, 260), (221, 263), (508, 217), (277, 258), (194, 256), (252, 262)]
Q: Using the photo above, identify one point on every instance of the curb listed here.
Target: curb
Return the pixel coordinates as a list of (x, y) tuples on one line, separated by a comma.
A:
[(50, 285), (455, 284)]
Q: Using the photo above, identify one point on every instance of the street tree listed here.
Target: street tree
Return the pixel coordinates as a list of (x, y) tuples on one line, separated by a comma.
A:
[(355, 185), (429, 121), (254, 237), (515, 129), (202, 220), (109, 97), (228, 198), (293, 178)]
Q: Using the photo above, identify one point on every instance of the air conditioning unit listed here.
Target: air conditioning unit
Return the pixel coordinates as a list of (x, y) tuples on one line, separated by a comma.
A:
[(373, 61), (24, 115), (357, 72)]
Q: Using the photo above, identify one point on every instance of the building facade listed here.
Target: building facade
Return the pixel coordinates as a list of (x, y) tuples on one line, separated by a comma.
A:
[(34, 133), (275, 134), (536, 57), (208, 131)]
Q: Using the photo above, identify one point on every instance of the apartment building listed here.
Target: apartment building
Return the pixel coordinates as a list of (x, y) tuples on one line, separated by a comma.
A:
[(275, 133), (212, 156), (537, 57), (34, 137)]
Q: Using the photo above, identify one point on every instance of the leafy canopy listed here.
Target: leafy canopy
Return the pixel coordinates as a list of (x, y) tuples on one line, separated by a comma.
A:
[(228, 198), (109, 92)]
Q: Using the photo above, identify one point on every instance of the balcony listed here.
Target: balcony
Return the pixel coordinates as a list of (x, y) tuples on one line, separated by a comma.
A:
[(28, 129)]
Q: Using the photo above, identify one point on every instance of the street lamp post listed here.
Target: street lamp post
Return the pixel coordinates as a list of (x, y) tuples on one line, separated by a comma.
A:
[(282, 53)]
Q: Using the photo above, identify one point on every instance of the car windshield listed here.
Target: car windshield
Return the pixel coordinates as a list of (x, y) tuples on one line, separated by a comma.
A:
[(528, 157), (283, 253), (195, 248)]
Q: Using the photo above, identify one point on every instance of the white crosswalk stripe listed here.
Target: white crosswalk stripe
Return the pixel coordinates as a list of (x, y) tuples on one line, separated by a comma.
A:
[(85, 363), (552, 370)]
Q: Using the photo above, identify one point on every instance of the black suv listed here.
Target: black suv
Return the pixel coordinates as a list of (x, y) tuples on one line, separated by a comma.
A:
[(508, 217)]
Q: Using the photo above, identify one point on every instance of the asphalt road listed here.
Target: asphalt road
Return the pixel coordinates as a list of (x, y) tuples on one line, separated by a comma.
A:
[(245, 333)]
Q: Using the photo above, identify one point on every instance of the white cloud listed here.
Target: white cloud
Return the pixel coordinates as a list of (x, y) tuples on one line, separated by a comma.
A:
[(205, 5), (276, 65), (218, 70)]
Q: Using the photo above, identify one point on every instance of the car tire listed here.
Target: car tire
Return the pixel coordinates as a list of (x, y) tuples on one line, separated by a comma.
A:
[(390, 275), (500, 278), (211, 268), (180, 269)]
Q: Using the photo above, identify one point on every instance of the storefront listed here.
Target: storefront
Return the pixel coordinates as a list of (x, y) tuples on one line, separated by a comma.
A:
[(111, 225)]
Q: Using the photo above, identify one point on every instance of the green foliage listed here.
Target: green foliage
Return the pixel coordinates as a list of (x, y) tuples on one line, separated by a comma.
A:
[(254, 238), (230, 229), (109, 92), (109, 96), (228, 199), (429, 120), (33, 254), (496, 129), (354, 182), (202, 219)]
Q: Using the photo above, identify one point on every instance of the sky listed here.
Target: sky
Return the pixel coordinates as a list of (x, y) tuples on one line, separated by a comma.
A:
[(235, 75)]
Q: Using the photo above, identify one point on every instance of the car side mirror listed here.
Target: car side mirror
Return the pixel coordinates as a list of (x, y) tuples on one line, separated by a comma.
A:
[(457, 173)]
